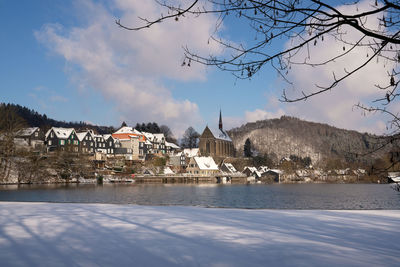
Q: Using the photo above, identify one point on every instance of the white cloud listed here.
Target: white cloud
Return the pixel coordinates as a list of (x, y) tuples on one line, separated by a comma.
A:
[(127, 67)]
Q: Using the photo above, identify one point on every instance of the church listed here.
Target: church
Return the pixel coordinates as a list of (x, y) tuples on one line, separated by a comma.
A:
[(216, 142)]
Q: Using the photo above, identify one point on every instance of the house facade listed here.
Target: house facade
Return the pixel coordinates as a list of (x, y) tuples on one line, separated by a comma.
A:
[(64, 139), (87, 144)]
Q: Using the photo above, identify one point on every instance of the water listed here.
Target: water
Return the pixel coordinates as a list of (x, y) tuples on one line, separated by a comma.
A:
[(278, 196)]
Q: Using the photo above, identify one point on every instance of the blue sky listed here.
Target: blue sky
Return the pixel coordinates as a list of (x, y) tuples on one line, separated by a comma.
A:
[(69, 60)]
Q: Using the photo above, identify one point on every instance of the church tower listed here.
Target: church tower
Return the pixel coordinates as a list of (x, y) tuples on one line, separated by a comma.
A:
[(220, 120)]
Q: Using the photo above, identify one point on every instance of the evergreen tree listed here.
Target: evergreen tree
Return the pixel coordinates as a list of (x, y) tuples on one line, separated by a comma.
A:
[(247, 148)]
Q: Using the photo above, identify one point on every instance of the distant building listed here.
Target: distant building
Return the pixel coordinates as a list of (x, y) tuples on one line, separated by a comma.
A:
[(33, 136), (64, 139), (216, 142), (228, 168), (86, 142), (202, 166)]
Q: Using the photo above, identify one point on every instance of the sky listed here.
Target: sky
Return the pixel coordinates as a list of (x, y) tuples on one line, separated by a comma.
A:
[(70, 61)]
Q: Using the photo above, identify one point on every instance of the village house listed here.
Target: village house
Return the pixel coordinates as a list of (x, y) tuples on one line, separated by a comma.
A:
[(171, 148), (110, 144), (216, 142), (130, 140), (249, 171), (178, 162), (64, 139), (202, 166), (33, 136), (86, 142), (100, 144), (228, 168), (271, 175)]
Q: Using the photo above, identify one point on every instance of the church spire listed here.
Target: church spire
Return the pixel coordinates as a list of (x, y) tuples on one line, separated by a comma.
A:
[(220, 120)]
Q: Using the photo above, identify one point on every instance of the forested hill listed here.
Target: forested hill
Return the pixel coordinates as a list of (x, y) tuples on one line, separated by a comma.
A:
[(32, 118), (291, 136)]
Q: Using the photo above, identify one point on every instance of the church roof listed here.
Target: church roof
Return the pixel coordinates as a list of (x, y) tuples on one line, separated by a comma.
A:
[(220, 134)]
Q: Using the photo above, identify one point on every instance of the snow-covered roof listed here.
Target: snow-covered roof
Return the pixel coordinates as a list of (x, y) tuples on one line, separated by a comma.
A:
[(263, 169), (106, 136), (191, 152), (251, 169), (220, 134), (230, 167), (159, 137), (172, 145), (148, 136), (124, 129), (167, 170), (206, 163), (61, 133), (82, 135), (27, 131), (276, 171)]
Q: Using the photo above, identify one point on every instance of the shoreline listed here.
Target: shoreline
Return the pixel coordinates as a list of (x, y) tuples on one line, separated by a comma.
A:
[(67, 234)]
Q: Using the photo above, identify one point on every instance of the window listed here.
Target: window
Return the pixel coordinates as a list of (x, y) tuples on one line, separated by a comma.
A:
[(75, 149), (110, 143), (51, 134), (62, 142), (84, 143), (76, 142), (36, 134), (49, 142), (112, 150), (91, 143)]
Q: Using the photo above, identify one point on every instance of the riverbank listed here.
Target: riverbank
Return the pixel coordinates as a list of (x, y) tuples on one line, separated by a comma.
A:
[(55, 234)]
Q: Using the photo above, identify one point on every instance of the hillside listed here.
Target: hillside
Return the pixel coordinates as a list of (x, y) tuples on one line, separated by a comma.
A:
[(32, 118), (291, 136)]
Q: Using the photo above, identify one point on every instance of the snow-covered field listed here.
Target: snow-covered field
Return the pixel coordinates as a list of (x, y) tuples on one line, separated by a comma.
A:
[(50, 234)]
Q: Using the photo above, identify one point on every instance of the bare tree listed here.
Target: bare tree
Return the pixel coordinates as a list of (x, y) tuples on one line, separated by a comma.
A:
[(169, 136), (10, 124), (190, 138), (302, 24)]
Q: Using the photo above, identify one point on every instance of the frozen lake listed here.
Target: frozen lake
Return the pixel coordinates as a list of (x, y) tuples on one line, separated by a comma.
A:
[(277, 196)]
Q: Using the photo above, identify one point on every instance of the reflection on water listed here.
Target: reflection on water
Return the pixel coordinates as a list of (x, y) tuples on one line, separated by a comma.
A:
[(282, 196)]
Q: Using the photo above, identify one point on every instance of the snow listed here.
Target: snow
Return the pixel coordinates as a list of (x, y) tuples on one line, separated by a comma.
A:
[(191, 152), (167, 170), (61, 133), (172, 145), (251, 169), (27, 131), (206, 163), (230, 167), (125, 129), (60, 234), (220, 134)]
